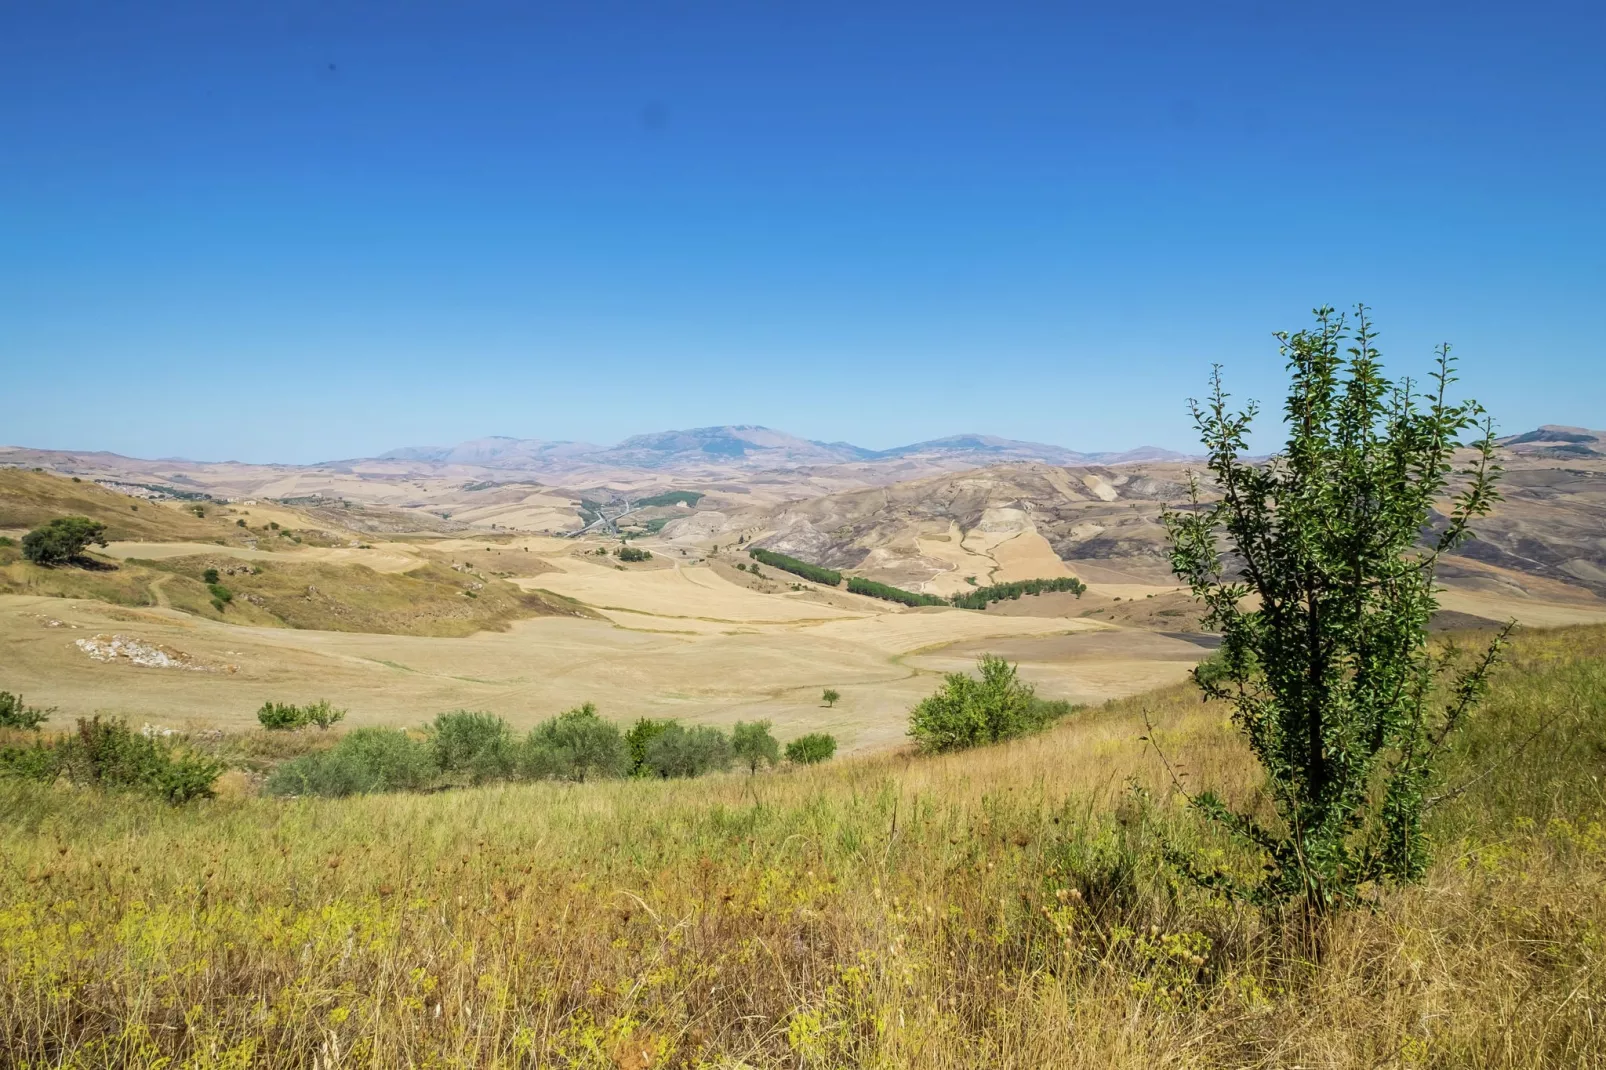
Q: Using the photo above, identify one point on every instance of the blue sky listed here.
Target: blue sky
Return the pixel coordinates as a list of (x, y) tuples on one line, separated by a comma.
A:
[(301, 231)]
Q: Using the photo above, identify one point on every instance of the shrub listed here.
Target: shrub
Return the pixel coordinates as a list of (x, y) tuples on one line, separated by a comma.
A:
[(7, 540), (631, 553), (678, 751), (829, 577), (969, 712), (366, 760), (576, 745), (753, 745), (471, 742), (1328, 666), (108, 754), (280, 717), (62, 540), (13, 714), (860, 585), (209, 577), (322, 714), (830, 696), (810, 749)]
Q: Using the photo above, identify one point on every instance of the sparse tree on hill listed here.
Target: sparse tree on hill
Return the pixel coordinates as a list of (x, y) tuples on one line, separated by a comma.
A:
[(62, 540), (1323, 600), (829, 696)]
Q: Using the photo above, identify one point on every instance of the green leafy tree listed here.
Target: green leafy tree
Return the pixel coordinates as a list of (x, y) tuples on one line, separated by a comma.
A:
[(1323, 601), (580, 745), (13, 714), (754, 745), (969, 712), (62, 540), (810, 749), (639, 738), (678, 751), (210, 577), (474, 743), (830, 696)]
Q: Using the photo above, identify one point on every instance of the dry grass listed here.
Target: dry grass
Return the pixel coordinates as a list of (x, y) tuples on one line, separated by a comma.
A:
[(28, 499), (996, 908)]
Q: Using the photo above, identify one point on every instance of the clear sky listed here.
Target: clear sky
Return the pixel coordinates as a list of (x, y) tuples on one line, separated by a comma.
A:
[(297, 231)]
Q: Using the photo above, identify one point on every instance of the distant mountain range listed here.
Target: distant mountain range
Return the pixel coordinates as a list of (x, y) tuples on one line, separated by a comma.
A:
[(750, 446)]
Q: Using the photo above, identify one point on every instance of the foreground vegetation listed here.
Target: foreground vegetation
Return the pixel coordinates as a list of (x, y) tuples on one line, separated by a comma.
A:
[(1004, 906)]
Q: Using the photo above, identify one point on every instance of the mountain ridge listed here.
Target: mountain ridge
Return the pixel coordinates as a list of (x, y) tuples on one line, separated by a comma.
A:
[(752, 445)]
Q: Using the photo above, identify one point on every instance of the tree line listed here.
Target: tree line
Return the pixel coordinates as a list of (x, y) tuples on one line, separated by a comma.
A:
[(860, 585), (829, 577), (470, 747), (982, 597)]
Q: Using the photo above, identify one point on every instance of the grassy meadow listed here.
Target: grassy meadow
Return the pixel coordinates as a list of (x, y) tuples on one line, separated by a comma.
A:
[(1004, 907)]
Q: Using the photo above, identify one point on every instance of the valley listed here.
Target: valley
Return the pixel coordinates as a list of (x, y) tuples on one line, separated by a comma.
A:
[(431, 580)]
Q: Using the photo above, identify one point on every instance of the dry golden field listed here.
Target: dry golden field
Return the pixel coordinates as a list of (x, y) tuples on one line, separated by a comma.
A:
[(1004, 907)]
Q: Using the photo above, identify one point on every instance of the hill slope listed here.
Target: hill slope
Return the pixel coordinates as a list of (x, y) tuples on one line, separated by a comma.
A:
[(28, 499)]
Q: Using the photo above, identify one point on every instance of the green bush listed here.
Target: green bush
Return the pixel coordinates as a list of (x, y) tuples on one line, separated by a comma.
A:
[(62, 540), (365, 761), (209, 577), (829, 577), (860, 585), (969, 712), (478, 744), (753, 745), (277, 716), (108, 754), (13, 714), (322, 714), (280, 717), (630, 553), (812, 748), (576, 745), (678, 751)]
